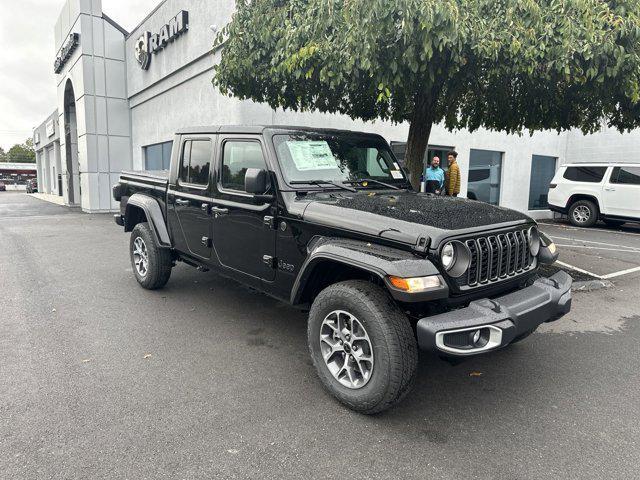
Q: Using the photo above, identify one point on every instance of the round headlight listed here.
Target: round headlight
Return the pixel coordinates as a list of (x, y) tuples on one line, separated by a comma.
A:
[(448, 256), (533, 236), (456, 258)]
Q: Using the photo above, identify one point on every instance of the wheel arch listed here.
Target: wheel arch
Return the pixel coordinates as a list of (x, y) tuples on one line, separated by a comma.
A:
[(582, 196), (332, 260), (142, 208)]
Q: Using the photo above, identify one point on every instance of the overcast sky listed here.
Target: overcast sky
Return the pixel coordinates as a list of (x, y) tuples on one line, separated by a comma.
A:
[(27, 82)]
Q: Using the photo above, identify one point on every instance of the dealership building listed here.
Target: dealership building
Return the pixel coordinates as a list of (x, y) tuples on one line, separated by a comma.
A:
[(122, 95)]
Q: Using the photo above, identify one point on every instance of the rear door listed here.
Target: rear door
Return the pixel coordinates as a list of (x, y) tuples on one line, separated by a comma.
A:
[(621, 193), (190, 196), (243, 229)]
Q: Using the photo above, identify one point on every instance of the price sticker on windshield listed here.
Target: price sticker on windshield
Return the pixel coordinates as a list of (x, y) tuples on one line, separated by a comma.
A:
[(312, 155), (397, 174)]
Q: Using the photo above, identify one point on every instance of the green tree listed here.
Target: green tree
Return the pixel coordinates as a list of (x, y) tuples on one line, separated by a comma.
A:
[(23, 153), (506, 65), (3, 155)]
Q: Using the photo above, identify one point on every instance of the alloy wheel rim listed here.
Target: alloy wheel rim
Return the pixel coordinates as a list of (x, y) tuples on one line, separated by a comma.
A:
[(140, 257), (581, 214), (346, 349)]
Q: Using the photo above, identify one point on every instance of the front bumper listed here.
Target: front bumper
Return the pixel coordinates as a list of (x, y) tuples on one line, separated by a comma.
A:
[(490, 324)]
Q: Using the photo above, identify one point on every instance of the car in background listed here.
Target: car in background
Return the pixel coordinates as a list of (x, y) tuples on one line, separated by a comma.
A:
[(590, 192), (3, 187), (32, 186)]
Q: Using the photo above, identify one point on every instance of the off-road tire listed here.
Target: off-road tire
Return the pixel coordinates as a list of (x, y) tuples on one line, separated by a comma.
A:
[(593, 213), (159, 259), (392, 338)]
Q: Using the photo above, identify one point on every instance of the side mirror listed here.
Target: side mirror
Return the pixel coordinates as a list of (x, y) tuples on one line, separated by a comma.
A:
[(255, 181)]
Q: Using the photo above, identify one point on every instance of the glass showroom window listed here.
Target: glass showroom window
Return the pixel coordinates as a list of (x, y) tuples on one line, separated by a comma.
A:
[(485, 176), (158, 156), (543, 170)]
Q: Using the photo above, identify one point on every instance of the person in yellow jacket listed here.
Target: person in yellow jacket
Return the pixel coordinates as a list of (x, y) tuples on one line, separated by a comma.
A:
[(453, 175)]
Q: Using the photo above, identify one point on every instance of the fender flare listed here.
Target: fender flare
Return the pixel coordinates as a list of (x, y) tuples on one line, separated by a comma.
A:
[(155, 218), (378, 260)]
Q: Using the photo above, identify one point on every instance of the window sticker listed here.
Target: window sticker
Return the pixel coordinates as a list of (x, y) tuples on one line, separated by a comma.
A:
[(395, 164), (312, 155), (397, 174)]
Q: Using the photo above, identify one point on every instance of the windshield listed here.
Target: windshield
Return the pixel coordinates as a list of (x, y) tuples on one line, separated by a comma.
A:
[(336, 158)]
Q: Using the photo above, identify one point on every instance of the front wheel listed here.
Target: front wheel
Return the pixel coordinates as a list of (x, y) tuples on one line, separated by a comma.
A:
[(362, 346), (151, 265)]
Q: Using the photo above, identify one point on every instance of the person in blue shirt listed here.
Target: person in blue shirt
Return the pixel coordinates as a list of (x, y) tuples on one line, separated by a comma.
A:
[(434, 177)]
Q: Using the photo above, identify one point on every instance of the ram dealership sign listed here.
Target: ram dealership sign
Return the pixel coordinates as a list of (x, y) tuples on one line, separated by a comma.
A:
[(66, 51), (151, 43)]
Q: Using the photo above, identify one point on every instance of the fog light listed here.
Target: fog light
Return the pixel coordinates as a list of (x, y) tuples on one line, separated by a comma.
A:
[(415, 284), (476, 337)]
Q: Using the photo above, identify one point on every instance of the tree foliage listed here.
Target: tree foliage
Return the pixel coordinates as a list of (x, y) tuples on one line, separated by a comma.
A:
[(507, 65), (22, 153)]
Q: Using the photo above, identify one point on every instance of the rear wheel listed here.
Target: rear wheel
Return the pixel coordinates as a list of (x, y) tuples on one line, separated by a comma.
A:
[(362, 346), (151, 265), (583, 213)]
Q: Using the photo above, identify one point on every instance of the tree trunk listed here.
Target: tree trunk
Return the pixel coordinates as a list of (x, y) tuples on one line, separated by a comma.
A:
[(418, 140)]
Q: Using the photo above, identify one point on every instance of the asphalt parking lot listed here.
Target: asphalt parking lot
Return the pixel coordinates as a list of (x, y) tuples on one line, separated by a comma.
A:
[(600, 252), (208, 379)]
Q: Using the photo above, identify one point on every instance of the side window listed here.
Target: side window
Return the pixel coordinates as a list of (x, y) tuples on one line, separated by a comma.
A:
[(237, 157), (626, 175), (195, 162), (585, 174)]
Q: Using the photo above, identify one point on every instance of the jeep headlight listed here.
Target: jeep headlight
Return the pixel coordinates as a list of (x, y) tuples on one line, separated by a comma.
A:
[(533, 238), (455, 258), (448, 256)]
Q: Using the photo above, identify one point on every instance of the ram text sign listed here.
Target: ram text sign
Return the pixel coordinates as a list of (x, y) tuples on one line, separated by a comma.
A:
[(151, 43)]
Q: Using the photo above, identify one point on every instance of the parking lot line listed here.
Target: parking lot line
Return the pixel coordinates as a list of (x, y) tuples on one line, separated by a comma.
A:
[(620, 273), (577, 269), (594, 242), (627, 249), (591, 229)]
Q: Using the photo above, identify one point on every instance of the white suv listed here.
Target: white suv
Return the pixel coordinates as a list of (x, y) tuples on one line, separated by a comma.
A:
[(591, 191)]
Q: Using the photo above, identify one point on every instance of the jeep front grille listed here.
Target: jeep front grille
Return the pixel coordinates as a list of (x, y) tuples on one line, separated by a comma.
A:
[(496, 257)]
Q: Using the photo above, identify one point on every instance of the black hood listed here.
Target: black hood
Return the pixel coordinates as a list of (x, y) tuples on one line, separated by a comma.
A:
[(446, 213), (407, 214)]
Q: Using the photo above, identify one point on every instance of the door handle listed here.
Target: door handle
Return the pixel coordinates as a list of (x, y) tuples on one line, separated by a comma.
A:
[(219, 211), (182, 202), (610, 189)]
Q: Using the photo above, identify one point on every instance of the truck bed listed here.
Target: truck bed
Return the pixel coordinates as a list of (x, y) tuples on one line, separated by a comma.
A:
[(154, 177)]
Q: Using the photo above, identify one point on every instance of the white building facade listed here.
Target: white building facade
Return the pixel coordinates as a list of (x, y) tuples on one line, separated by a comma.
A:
[(121, 97)]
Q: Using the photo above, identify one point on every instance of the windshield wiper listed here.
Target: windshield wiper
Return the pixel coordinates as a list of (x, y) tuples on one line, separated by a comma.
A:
[(320, 183), (371, 180)]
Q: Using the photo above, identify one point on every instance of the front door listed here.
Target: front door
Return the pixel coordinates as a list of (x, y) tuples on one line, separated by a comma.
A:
[(191, 197), (621, 192), (243, 237)]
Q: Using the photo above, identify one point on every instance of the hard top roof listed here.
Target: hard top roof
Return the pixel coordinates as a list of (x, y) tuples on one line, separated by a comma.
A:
[(259, 129)]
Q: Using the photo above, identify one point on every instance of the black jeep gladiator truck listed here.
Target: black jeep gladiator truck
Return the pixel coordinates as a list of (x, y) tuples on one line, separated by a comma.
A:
[(327, 220)]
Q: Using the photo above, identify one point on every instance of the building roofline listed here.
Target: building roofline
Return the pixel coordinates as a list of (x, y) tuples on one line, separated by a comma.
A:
[(110, 20), (149, 15)]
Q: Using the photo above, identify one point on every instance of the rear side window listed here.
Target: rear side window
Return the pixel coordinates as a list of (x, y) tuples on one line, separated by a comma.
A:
[(585, 174), (237, 157), (626, 175), (196, 162)]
